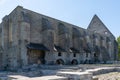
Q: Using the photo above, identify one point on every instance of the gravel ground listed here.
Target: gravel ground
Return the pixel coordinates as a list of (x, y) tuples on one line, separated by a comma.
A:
[(41, 73), (109, 76)]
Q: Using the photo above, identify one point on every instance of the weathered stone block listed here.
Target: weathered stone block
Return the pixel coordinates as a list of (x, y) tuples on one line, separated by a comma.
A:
[(76, 75)]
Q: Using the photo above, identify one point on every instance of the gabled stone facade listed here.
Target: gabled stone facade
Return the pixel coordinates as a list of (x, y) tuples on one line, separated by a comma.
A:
[(27, 37)]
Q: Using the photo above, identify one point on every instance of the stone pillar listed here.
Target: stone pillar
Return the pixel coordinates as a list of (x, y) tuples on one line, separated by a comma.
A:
[(88, 39), (76, 43), (48, 41), (104, 43), (110, 49), (97, 41), (12, 46), (5, 41), (64, 41), (24, 40)]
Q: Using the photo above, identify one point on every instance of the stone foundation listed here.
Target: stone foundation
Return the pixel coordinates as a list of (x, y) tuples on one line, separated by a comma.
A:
[(88, 74)]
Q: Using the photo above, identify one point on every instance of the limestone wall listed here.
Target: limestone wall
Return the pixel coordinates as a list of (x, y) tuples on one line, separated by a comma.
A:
[(23, 26)]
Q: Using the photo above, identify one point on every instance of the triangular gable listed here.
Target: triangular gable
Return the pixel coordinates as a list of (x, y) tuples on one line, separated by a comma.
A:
[(96, 25)]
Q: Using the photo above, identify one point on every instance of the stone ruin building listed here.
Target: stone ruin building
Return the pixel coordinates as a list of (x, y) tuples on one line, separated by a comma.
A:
[(27, 38)]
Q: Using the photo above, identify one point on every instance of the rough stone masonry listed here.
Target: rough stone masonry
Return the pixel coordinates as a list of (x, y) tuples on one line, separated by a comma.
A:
[(27, 37)]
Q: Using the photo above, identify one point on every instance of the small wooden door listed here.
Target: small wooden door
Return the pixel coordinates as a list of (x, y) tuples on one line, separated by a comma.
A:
[(36, 57)]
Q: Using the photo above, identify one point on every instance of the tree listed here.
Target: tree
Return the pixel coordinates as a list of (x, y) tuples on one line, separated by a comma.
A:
[(118, 41)]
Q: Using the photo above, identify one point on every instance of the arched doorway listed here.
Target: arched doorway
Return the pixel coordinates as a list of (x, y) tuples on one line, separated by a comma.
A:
[(60, 61), (96, 57), (74, 62), (96, 54), (36, 53)]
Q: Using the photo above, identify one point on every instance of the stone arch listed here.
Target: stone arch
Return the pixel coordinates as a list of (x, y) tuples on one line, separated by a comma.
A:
[(94, 36), (96, 57), (62, 29), (74, 62), (107, 39), (63, 38), (107, 42), (84, 43), (76, 38), (25, 16), (46, 24), (105, 55), (60, 61), (76, 32), (101, 38)]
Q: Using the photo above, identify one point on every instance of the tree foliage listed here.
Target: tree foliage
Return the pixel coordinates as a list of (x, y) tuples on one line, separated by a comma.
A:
[(118, 41)]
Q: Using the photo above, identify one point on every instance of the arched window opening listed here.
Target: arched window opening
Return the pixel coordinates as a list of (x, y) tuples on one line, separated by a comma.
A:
[(59, 54), (74, 54), (26, 17), (74, 62), (46, 24), (60, 62), (76, 32), (62, 29)]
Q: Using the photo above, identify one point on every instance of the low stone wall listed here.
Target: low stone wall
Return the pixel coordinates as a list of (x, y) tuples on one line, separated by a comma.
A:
[(88, 74), (76, 75), (102, 70), (62, 74), (19, 77)]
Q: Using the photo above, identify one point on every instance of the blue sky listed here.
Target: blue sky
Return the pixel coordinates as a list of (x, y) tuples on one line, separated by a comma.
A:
[(77, 12)]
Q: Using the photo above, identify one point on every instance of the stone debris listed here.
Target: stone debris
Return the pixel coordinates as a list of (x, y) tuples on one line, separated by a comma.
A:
[(90, 72), (109, 76)]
